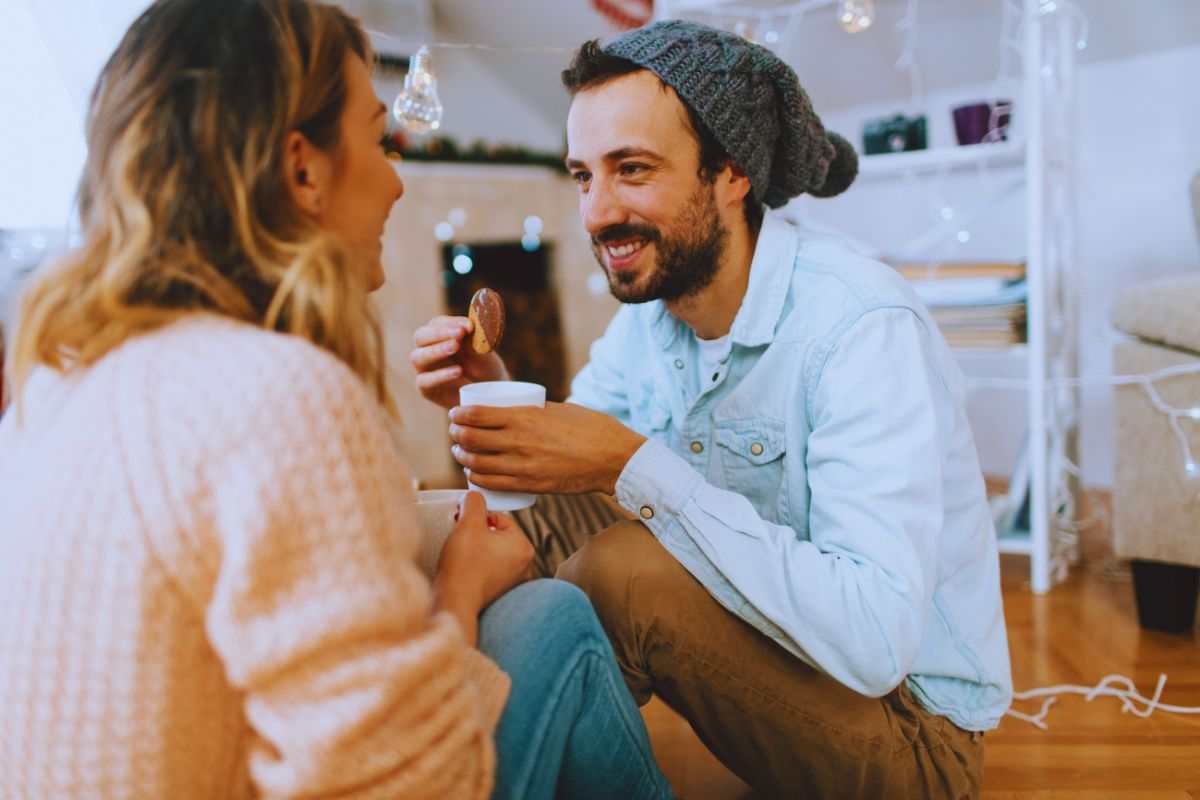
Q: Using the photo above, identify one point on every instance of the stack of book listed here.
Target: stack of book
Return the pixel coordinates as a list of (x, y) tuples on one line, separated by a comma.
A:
[(976, 304)]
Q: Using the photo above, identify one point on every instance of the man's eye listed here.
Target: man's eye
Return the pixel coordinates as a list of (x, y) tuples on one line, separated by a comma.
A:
[(632, 169), (581, 177)]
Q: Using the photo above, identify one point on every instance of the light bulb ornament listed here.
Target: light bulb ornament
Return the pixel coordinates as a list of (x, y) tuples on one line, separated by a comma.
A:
[(856, 15), (418, 107)]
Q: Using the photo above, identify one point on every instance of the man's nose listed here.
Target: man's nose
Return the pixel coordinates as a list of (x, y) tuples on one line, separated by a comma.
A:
[(600, 209)]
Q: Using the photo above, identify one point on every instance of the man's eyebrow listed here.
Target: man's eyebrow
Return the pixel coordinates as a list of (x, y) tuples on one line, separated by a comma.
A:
[(632, 152), (618, 155)]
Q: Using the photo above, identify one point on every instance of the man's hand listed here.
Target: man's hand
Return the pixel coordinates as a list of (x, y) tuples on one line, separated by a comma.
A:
[(561, 449), (445, 362)]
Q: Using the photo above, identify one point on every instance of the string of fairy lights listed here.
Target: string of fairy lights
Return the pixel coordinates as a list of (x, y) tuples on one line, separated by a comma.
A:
[(419, 109)]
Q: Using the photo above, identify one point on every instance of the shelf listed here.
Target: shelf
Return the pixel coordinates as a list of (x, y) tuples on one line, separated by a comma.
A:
[(1020, 545), (1011, 351), (1000, 154)]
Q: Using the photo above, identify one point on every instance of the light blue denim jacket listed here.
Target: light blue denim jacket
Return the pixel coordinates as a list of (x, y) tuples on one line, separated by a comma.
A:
[(825, 486)]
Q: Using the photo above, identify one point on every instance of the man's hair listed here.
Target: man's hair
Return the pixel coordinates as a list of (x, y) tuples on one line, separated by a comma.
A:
[(591, 67)]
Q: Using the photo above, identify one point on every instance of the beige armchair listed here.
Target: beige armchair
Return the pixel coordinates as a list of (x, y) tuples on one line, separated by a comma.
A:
[(1156, 503)]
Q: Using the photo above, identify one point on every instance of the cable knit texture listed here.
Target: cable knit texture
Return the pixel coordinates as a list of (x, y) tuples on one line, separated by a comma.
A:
[(751, 101), (207, 586)]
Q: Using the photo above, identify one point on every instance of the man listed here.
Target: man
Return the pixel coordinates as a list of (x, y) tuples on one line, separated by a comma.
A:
[(811, 575)]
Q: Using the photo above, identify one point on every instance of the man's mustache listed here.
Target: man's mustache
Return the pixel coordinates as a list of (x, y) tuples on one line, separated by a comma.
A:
[(624, 231)]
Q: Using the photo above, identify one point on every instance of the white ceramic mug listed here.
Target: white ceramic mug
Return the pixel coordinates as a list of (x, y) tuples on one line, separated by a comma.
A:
[(503, 394), (436, 510)]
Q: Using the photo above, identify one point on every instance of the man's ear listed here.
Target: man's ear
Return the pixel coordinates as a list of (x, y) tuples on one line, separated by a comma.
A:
[(732, 185), (307, 172)]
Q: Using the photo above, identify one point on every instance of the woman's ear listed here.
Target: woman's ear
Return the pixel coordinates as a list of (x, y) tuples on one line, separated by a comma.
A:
[(306, 173)]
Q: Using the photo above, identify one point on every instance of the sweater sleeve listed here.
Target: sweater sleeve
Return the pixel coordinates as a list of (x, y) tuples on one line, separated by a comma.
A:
[(352, 686)]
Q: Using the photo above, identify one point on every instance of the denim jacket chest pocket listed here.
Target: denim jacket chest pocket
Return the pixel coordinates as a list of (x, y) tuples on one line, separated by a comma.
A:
[(753, 464)]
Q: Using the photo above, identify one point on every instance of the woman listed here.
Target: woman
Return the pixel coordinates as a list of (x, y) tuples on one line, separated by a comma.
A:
[(207, 579)]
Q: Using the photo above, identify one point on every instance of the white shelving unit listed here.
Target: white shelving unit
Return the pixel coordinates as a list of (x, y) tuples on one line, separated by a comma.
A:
[(942, 160), (1043, 157)]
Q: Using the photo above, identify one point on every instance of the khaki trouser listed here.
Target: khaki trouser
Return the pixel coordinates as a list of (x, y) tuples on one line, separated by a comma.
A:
[(781, 726)]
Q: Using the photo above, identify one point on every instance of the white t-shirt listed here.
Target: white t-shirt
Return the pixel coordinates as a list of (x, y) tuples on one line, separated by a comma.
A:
[(713, 355)]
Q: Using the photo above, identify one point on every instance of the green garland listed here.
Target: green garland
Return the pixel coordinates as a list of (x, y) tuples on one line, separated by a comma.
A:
[(445, 148)]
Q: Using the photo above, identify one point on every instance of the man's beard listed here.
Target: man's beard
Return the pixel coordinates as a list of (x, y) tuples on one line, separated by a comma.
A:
[(687, 259)]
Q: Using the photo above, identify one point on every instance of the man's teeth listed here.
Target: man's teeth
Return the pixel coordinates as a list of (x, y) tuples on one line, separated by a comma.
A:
[(622, 251)]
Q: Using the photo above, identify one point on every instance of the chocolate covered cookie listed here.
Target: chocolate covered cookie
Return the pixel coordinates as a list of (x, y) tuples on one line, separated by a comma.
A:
[(487, 314)]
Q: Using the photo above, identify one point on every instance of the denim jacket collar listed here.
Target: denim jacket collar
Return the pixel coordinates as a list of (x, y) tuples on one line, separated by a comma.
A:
[(762, 307)]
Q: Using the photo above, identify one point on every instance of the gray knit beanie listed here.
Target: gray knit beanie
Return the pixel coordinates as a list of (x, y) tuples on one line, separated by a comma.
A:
[(751, 101)]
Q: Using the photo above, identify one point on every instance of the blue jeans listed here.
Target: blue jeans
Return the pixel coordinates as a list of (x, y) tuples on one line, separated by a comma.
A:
[(571, 728)]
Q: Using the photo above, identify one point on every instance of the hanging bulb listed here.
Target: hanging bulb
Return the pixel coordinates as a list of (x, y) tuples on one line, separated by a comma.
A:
[(417, 107), (856, 15)]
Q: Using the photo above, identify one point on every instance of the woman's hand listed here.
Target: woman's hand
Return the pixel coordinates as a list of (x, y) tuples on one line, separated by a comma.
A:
[(484, 557), (445, 362)]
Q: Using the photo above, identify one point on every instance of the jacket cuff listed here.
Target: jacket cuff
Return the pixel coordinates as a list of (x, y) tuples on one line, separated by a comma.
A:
[(656, 484)]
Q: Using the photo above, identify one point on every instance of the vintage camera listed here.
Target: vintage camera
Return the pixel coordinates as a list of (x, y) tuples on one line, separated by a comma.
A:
[(895, 134)]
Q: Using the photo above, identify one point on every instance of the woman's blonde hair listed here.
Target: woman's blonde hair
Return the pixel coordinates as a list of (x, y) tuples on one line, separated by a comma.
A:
[(183, 200)]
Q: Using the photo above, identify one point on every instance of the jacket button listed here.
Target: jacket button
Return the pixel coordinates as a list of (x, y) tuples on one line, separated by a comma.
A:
[(697, 447), (679, 363), (756, 449), (647, 512)]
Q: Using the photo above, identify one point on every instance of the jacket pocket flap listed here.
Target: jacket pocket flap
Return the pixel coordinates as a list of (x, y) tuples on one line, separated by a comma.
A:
[(759, 442)]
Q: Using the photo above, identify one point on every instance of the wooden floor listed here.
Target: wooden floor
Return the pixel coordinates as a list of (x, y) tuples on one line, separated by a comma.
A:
[(1078, 633)]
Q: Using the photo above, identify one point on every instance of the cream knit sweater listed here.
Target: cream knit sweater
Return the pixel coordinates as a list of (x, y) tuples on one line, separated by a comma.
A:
[(207, 586)]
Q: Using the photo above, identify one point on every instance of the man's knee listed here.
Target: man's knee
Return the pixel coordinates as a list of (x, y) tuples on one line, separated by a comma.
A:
[(618, 568), (603, 562)]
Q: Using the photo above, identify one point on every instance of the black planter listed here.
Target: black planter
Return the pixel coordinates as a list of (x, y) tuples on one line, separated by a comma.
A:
[(1166, 595)]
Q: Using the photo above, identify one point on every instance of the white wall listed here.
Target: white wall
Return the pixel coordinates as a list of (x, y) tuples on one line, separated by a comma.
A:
[(479, 105), (1138, 148), (50, 54), (41, 140), (52, 50)]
